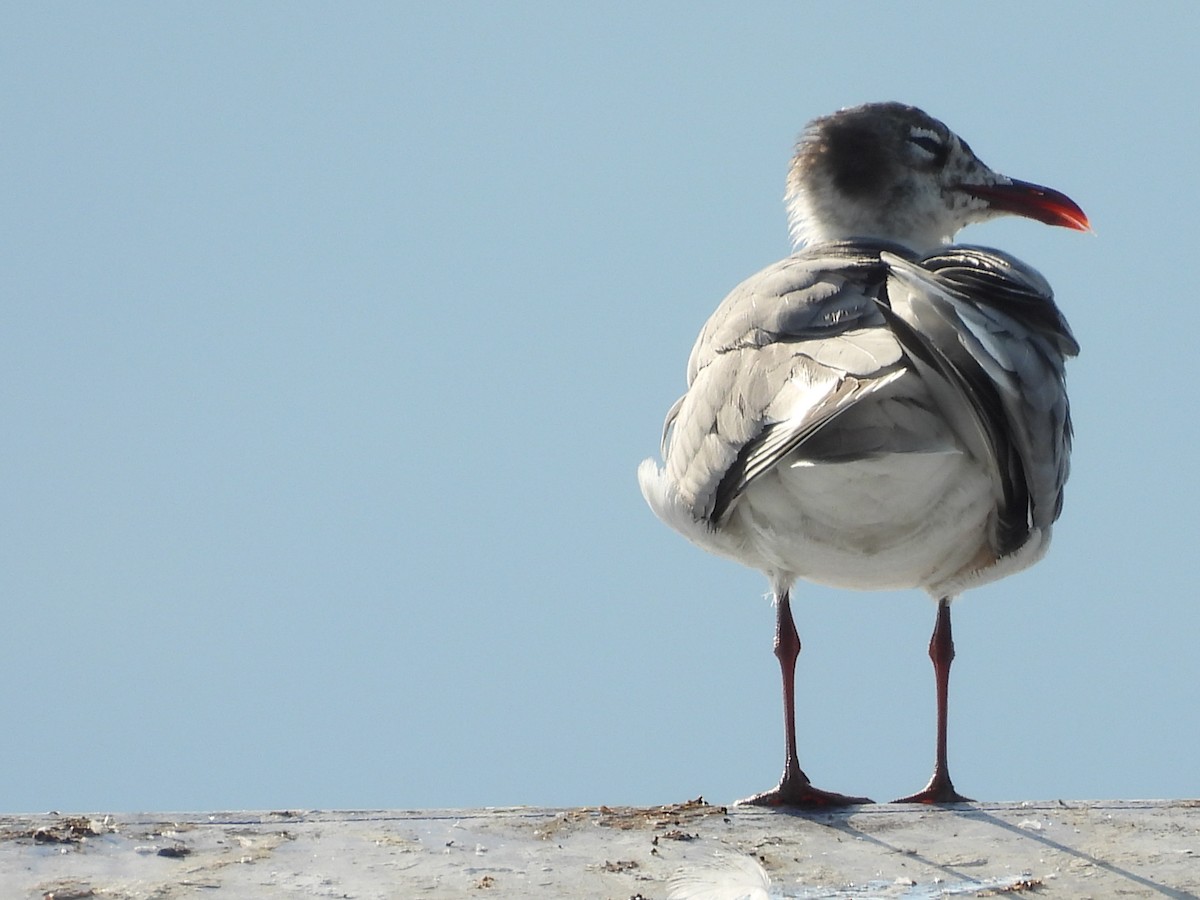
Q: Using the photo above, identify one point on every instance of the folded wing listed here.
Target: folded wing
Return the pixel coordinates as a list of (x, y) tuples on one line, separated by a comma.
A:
[(984, 333)]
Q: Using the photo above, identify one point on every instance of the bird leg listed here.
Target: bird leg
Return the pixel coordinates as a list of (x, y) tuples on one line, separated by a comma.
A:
[(794, 788), (941, 650)]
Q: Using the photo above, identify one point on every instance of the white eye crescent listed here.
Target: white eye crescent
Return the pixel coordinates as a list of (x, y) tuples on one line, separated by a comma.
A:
[(930, 145)]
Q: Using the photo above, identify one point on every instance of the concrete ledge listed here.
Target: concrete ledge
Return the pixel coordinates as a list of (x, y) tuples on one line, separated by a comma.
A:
[(1053, 849)]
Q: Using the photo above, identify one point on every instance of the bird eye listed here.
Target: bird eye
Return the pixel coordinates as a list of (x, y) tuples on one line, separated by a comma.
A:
[(930, 144)]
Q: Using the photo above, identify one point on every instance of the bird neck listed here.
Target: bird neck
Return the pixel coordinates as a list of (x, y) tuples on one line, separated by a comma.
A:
[(812, 222)]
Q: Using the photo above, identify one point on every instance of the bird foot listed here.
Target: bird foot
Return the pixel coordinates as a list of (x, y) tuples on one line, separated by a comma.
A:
[(939, 790), (802, 796)]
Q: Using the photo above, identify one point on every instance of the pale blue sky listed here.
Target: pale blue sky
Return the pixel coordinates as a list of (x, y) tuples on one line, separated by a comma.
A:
[(332, 336)]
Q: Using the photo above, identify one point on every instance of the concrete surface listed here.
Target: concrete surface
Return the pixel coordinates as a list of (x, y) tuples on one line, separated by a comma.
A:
[(689, 850)]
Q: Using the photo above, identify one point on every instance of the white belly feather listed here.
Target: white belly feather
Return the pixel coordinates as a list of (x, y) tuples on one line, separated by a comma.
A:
[(909, 520)]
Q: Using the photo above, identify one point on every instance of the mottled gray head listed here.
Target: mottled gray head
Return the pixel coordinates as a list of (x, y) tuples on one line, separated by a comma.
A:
[(886, 170)]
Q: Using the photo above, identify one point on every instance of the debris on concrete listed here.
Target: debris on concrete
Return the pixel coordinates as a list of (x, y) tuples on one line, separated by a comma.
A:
[(674, 852)]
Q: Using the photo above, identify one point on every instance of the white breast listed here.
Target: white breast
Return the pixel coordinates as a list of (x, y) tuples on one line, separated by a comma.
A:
[(912, 520)]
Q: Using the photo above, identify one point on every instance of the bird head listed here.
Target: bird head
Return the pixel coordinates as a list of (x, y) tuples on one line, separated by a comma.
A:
[(890, 171)]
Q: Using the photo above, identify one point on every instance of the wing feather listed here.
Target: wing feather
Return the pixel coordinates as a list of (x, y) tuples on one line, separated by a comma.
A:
[(788, 351), (800, 345), (985, 333)]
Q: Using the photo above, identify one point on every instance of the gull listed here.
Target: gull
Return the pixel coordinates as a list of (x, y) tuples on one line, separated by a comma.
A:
[(883, 409)]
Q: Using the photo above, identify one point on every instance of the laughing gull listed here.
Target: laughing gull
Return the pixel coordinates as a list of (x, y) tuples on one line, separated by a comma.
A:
[(883, 409)]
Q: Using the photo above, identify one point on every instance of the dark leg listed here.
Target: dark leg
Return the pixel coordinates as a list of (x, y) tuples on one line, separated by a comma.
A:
[(941, 650), (794, 787)]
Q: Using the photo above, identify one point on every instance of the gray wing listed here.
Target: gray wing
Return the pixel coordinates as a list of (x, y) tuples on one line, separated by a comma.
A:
[(983, 331), (788, 351)]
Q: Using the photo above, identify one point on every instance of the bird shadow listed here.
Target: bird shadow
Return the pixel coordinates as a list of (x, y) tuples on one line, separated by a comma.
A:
[(981, 815)]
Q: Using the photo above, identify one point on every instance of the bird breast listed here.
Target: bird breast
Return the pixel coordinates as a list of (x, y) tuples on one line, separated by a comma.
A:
[(893, 521)]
